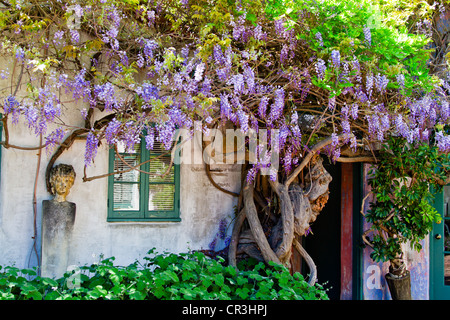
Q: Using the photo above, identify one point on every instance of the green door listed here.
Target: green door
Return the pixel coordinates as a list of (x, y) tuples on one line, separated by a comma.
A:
[(440, 250)]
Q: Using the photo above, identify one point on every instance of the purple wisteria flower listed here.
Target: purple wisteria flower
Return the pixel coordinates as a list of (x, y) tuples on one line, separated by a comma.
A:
[(239, 29), (74, 36), (51, 110), (320, 68), (4, 74), (148, 92), (189, 102), (177, 117), (106, 93), (206, 86), (32, 116), (166, 132), (149, 47), (345, 126), (131, 134), (284, 54), (222, 229), (345, 110), (112, 130), (91, 148), (151, 16), (20, 53), (212, 244), (222, 74), (334, 149), (58, 35), (284, 133), (10, 104), (279, 26), (319, 38), (336, 58), (332, 103), (249, 77), (369, 84), (443, 142), (238, 82), (114, 15), (80, 87), (287, 162), (150, 139), (381, 82), (199, 72), (353, 143), (354, 111), (258, 33), (243, 120), (225, 107), (400, 80), (273, 174), (367, 36), (140, 62), (385, 122), (218, 56), (84, 113), (111, 34), (276, 108), (262, 108), (357, 67), (53, 139), (445, 110)]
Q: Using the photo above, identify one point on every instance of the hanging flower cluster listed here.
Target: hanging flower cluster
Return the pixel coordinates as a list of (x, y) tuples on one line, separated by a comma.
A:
[(161, 67)]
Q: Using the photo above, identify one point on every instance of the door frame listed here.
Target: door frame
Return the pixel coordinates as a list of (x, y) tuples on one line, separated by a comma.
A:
[(438, 291)]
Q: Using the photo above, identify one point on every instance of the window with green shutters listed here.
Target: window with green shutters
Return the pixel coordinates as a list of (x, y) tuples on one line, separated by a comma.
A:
[(151, 192)]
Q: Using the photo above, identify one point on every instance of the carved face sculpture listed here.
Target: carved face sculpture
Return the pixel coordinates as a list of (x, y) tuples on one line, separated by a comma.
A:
[(62, 178)]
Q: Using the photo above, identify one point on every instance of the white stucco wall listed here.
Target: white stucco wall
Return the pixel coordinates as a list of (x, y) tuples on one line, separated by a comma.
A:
[(202, 205)]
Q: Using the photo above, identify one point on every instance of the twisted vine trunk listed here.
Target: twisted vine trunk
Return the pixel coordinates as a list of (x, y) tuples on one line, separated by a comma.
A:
[(255, 225), (272, 234)]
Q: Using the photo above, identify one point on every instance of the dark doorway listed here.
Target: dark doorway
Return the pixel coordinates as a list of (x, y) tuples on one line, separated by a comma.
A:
[(324, 244)]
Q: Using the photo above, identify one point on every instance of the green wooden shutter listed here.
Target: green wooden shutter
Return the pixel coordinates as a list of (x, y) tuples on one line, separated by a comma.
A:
[(138, 196), (124, 196)]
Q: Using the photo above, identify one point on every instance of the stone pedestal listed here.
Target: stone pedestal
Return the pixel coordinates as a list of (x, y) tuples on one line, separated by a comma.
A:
[(58, 219)]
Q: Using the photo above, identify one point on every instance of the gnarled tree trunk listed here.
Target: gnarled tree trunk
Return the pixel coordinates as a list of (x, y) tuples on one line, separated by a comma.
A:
[(272, 234)]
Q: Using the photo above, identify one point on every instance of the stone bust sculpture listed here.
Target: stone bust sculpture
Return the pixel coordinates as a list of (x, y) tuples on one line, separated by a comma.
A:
[(62, 178), (58, 218)]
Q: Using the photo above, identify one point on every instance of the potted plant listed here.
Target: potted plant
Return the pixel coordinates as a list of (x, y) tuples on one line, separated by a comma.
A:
[(403, 181)]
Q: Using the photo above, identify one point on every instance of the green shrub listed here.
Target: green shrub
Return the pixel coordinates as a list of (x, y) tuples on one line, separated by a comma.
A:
[(186, 276)]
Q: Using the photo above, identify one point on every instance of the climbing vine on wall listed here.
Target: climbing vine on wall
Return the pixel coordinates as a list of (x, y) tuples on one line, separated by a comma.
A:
[(327, 80)]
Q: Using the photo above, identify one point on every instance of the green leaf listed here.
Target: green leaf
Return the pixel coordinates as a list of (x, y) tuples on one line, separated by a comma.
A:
[(206, 282), (231, 270), (49, 282), (136, 295), (219, 280), (172, 275), (35, 295)]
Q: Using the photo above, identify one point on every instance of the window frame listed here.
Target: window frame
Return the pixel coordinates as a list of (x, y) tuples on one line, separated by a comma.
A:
[(143, 214)]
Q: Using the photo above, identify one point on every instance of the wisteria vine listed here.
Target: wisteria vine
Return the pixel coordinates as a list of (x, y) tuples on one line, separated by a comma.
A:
[(159, 66)]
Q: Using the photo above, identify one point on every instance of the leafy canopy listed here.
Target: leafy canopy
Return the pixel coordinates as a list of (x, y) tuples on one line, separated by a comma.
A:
[(309, 70), (403, 183)]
